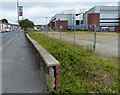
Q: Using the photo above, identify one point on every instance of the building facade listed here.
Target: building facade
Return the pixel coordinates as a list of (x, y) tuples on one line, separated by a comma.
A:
[(4, 26), (61, 21), (106, 18)]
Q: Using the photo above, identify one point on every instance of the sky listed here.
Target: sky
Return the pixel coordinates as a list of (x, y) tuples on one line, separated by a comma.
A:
[(41, 11)]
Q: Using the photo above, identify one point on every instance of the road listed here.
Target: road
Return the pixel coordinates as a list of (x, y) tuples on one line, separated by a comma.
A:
[(19, 71)]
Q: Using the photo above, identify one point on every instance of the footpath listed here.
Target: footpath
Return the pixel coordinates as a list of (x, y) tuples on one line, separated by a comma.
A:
[(19, 71)]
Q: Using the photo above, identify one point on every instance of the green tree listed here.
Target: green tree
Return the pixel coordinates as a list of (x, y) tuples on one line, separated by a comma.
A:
[(4, 20), (26, 23)]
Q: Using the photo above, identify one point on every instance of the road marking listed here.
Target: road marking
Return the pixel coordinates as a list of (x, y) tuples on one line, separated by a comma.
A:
[(8, 42)]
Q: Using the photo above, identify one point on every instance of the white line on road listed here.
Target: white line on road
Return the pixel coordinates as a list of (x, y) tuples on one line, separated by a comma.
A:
[(8, 42)]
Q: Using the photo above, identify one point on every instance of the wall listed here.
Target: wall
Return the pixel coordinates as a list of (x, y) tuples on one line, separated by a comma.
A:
[(49, 66), (117, 29), (62, 23), (109, 16), (68, 17), (93, 18)]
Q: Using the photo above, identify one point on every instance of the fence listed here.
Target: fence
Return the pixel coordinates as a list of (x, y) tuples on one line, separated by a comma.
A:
[(93, 27), (78, 27), (49, 66)]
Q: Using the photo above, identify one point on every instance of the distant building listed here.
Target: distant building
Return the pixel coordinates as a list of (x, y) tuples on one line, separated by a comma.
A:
[(105, 17), (119, 11), (61, 21), (10, 26)]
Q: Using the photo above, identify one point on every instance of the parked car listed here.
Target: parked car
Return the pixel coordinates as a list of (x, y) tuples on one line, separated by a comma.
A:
[(7, 30), (2, 31)]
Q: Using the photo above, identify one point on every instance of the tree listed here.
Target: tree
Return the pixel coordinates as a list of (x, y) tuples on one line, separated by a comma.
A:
[(26, 23), (4, 20)]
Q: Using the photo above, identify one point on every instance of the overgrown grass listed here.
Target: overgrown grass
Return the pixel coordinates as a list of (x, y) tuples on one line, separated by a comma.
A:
[(81, 71)]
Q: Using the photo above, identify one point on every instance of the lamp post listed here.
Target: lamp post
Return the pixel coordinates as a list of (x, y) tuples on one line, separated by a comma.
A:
[(18, 17)]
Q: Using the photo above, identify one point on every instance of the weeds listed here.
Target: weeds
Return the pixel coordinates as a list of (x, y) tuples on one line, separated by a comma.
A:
[(81, 71)]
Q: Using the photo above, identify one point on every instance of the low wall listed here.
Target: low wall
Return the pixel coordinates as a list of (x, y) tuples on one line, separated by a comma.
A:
[(49, 66)]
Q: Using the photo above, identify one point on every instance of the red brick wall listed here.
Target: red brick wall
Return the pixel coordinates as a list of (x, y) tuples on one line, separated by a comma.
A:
[(117, 29), (63, 23), (57, 77), (93, 18)]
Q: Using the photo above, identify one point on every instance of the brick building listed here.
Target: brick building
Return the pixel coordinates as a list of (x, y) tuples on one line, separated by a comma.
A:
[(59, 25), (105, 17), (61, 21)]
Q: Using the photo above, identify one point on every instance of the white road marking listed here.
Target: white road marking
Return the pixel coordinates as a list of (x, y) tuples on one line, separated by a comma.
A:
[(8, 42)]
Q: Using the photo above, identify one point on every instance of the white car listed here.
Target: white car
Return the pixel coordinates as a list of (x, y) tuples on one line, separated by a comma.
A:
[(7, 30)]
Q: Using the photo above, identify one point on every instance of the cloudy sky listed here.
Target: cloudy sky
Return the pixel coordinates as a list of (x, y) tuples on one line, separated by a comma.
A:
[(38, 10)]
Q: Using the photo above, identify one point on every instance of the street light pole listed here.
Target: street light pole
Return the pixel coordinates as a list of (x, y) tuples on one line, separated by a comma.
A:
[(18, 17)]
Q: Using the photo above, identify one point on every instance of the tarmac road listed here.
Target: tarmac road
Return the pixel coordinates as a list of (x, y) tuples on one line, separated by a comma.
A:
[(19, 71)]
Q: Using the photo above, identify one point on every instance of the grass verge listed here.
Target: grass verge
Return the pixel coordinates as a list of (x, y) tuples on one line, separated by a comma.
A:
[(81, 71)]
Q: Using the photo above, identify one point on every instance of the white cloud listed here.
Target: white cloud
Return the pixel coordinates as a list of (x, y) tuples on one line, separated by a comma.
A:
[(38, 12), (60, 0)]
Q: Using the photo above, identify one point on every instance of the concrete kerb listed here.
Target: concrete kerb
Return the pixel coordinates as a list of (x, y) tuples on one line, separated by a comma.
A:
[(49, 65)]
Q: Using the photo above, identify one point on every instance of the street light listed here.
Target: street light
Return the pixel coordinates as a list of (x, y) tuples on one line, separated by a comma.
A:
[(18, 17), (74, 24)]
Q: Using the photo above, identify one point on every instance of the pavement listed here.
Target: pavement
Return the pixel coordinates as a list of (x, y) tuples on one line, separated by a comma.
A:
[(19, 71)]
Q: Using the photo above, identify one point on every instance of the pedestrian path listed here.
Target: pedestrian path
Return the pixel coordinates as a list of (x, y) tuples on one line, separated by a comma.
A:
[(19, 71)]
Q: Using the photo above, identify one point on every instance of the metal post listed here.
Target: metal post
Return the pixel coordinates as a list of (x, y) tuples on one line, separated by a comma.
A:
[(74, 29), (46, 26), (2, 25), (53, 33), (18, 17), (94, 45), (60, 34), (59, 28)]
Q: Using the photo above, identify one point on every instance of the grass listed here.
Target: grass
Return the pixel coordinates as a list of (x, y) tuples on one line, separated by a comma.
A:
[(81, 71)]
